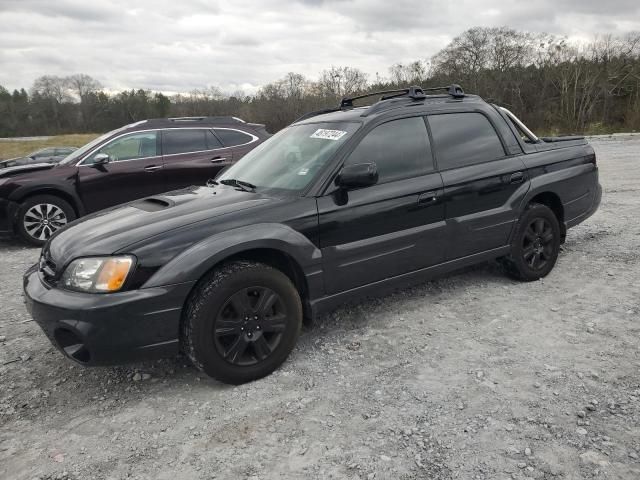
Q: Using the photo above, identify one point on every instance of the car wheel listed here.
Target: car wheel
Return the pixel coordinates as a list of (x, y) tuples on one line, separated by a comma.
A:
[(241, 322), (536, 244), (41, 216)]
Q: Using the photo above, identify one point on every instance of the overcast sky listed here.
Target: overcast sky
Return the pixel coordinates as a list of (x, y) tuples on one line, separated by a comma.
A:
[(179, 45)]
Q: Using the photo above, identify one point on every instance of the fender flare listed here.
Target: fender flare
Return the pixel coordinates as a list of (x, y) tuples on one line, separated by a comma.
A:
[(193, 263), (48, 189)]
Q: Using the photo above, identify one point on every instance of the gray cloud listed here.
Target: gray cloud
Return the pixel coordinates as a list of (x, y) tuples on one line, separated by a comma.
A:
[(178, 46)]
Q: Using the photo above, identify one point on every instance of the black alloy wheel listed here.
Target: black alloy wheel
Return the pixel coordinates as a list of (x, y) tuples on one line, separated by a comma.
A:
[(241, 321), (538, 243), (249, 326), (535, 245)]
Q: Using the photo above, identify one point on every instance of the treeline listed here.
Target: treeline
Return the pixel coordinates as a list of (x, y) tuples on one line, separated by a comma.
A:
[(552, 84)]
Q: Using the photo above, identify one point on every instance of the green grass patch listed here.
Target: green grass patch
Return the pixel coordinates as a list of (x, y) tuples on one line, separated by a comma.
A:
[(19, 148)]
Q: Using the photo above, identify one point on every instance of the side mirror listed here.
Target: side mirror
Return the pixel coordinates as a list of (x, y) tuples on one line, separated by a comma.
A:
[(101, 159), (358, 175)]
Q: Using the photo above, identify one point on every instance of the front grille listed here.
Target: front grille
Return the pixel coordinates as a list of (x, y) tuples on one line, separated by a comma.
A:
[(47, 268)]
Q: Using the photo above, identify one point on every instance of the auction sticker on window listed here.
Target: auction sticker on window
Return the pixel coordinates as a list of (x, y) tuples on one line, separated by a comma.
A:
[(328, 134)]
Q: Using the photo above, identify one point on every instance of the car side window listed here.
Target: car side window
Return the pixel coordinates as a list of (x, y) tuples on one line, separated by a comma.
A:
[(176, 141), (44, 153), (128, 147), (461, 139), (212, 141), (400, 149), (232, 138)]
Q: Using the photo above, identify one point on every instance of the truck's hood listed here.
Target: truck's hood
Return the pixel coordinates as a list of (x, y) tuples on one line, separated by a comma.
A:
[(112, 230), (10, 171)]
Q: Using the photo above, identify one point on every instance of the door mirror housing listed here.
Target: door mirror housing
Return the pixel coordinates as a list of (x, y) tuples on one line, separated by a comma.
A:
[(101, 159), (358, 175)]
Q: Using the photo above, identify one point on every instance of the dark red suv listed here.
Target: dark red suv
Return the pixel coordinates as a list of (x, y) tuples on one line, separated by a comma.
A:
[(135, 161)]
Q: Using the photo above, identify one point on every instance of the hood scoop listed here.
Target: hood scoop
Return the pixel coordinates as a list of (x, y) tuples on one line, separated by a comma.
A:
[(152, 204)]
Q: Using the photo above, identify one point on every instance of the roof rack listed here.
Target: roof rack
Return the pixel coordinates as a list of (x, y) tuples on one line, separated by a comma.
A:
[(413, 92), (215, 119)]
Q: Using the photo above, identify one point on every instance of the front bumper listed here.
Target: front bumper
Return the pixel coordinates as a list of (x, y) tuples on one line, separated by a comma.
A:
[(108, 329), (7, 216)]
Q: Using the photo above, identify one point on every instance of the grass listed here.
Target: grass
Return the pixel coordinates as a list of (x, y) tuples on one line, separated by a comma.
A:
[(18, 148)]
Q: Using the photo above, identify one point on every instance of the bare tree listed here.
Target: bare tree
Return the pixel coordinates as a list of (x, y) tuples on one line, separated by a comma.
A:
[(413, 73), (81, 85), (341, 81)]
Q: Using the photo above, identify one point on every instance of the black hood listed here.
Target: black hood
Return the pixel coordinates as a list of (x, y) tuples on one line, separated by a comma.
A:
[(113, 230)]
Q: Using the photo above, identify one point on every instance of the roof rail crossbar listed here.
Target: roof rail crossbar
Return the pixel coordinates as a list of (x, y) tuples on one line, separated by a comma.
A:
[(204, 118), (412, 92), (454, 90), (416, 93)]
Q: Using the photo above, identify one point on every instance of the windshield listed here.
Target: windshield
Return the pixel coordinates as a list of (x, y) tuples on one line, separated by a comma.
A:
[(291, 159)]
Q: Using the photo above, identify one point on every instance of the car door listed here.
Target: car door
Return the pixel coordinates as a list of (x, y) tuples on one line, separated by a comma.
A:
[(482, 184), (390, 228), (192, 156), (134, 171)]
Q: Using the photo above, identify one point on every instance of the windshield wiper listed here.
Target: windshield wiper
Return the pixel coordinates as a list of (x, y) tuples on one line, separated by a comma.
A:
[(234, 182)]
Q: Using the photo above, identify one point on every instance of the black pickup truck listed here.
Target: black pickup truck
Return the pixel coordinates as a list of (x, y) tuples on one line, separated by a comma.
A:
[(343, 203)]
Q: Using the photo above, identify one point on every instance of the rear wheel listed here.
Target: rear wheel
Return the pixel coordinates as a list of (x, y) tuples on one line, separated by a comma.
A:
[(536, 244), (41, 216), (241, 322)]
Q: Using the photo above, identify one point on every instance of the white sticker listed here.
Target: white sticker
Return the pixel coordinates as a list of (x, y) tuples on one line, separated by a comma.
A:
[(303, 171), (328, 134)]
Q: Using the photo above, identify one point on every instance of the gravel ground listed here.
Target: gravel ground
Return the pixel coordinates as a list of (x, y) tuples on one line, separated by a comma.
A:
[(472, 376)]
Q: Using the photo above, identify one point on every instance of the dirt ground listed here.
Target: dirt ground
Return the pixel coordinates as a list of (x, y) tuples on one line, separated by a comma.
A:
[(473, 376)]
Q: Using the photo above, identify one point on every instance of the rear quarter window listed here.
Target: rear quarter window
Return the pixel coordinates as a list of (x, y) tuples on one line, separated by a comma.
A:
[(462, 139), (232, 138)]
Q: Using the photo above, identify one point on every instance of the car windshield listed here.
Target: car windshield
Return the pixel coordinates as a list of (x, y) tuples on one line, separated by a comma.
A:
[(291, 159)]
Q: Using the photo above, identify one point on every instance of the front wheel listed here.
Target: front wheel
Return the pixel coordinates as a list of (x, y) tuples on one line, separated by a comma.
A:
[(241, 322), (41, 216), (536, 244)]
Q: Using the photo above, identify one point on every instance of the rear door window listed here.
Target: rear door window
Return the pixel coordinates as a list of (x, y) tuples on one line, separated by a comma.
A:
[(462, 139), (232, 138), (175, 141)]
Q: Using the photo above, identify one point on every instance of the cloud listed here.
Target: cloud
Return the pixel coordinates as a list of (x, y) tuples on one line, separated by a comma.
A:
[(178, 46)]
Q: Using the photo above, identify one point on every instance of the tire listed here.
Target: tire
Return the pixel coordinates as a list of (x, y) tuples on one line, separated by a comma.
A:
[(241, 322), (41, 216), (536, 244)]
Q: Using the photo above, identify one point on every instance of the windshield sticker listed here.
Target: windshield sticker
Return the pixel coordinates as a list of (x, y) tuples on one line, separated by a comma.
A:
[(328, 134), (303, 171)]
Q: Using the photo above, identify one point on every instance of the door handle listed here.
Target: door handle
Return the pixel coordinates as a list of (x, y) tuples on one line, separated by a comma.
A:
[(219, 159), (517, 177), (428, 198), (152, 168)]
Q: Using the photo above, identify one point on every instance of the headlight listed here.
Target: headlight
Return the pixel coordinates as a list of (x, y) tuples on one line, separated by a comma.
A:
[(97, 274)]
